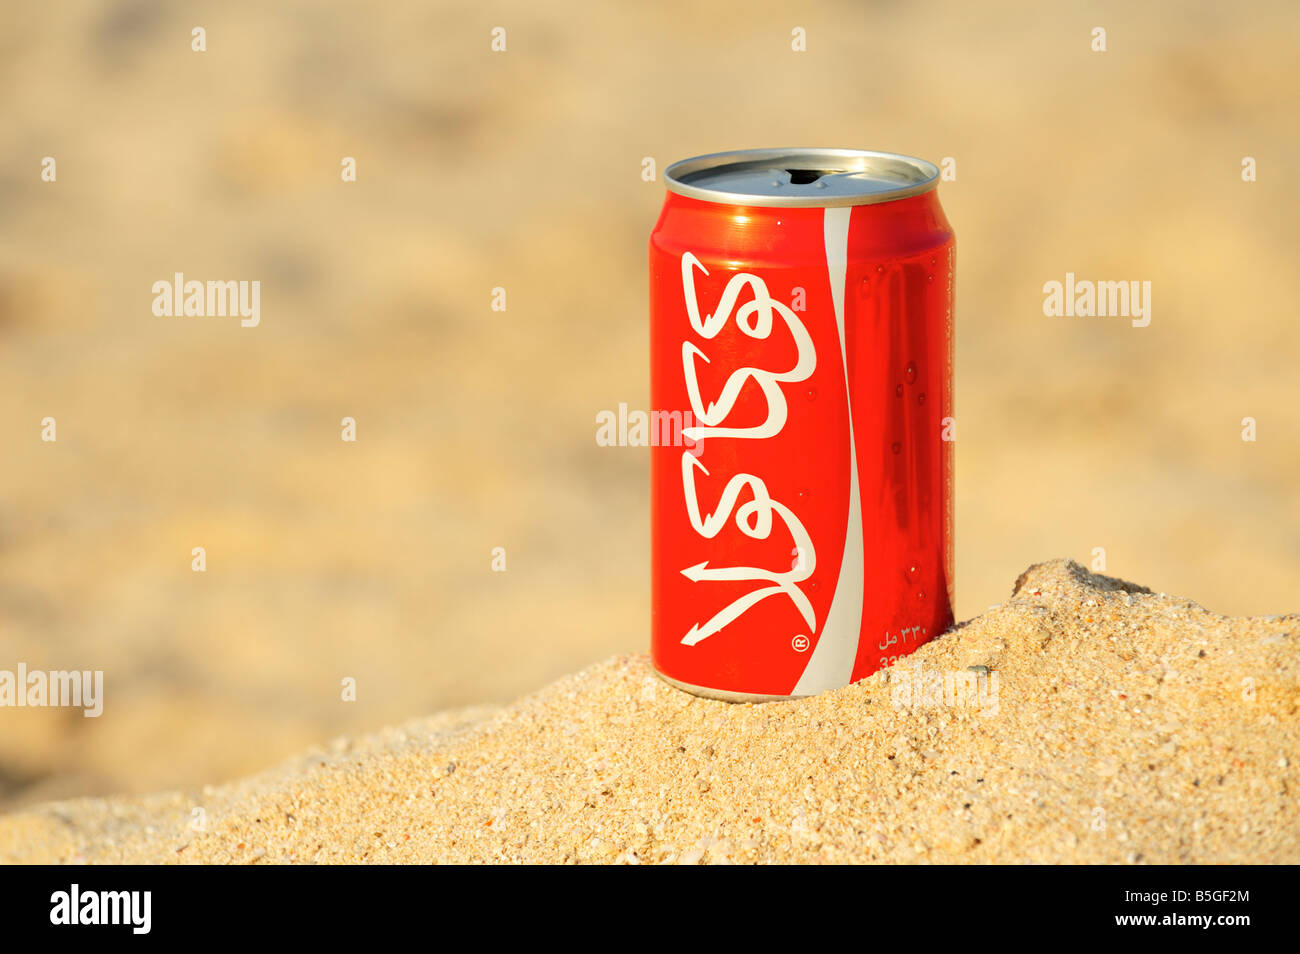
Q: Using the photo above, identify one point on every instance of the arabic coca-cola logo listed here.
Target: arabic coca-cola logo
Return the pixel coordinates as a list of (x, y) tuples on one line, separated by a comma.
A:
[(754, 518)]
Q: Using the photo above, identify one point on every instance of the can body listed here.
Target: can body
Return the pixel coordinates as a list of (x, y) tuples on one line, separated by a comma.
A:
[(802, 525)]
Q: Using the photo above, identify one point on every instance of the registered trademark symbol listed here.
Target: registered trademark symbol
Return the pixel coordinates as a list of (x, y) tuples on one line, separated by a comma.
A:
[(800, 643)]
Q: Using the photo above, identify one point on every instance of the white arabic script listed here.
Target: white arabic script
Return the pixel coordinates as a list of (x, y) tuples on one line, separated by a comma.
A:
[(754, 517)]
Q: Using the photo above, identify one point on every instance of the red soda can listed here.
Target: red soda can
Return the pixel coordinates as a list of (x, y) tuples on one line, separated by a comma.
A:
[(801, 332)]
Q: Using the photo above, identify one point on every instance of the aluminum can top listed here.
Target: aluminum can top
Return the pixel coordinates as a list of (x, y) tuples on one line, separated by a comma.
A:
[(808, 178)]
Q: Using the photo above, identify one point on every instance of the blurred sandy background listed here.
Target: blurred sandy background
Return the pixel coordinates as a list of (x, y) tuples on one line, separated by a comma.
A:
[(476, 429)]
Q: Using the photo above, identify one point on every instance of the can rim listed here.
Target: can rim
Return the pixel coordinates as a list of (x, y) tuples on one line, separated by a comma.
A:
[(915, 176), (724, 695)]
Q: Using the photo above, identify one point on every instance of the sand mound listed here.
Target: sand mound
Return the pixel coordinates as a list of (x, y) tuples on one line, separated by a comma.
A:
[(1085, 720)]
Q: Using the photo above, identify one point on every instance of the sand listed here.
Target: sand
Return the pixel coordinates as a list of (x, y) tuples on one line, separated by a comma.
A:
[(1126, 726)]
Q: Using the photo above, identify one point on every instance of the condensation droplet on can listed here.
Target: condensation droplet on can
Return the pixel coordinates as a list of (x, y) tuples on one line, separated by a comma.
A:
[(896, 447), (910, 373)]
